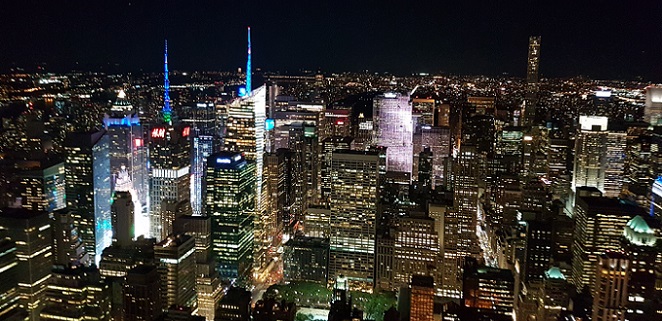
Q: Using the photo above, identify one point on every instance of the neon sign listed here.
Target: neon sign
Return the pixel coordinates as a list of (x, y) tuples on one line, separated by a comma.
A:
[(137, 142), (158, 133), (186, 131)]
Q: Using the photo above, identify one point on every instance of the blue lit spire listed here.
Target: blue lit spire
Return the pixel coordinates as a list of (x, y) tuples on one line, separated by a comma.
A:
[(167, 111), (248, 65)]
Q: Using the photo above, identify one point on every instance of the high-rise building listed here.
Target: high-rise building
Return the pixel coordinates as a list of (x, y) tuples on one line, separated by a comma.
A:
[(231, 202), (175, 257), (207, 282), (422, 298), (354, 197), (329, 145), (76, 293), (653, 107), (554, 296), (122, 217), (538, 250), (306, 259), (487, 292), (128, 156), (641, 246), (88, 188), (170, 179), (31, 232), (68, 247), (392, 114), (141, 300), (245, 131), (235, 305), (599, 156), (599, 228), (8, 277), (532, 69), (610, 296)]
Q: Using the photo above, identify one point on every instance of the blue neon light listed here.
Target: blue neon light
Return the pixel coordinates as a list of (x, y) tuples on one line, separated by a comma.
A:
[(167, 111), (242, 91), (269, 124), (249, 83)]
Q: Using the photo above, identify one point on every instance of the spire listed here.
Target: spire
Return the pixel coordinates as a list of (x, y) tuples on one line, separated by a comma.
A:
[(167, 111), (248, 66)]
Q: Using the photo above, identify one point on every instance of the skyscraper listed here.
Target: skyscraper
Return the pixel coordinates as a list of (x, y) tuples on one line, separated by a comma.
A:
[(76, 293), (422, 298), (231, 201), (68, 247), (599, 228), (393, 129), (488, 293), (8, 277), (167, 110), (245, 132), (354, 197), (599, 156), (141, 300), (31, 232), (532, 67), (128, 156), (653, 107), (610, 295), (123, 221), (175, 257), (169, 153), (87, 173)]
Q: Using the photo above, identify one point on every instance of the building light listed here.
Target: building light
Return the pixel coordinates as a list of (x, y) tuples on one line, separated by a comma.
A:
[(186, 131), (158, 133)]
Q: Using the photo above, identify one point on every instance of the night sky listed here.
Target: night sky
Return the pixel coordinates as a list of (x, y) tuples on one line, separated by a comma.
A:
[(600, 39)]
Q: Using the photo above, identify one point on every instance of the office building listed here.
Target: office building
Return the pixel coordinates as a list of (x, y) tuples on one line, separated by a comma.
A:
[(141, 301), (235, 305), (538, 250), (421, 305), (207, 282), (487, 292), (88, 188), (306, 259), (599, 228), (76, 293), (554, 297), (128, 155), (170, 179), (175, 258), (641, 246), (273, 310), (32, 234), (122, 218), (329, 145), (393, 129), (354, 197), (68, 247), (8, 278), (231, 202), (610, 295), (532, 69)]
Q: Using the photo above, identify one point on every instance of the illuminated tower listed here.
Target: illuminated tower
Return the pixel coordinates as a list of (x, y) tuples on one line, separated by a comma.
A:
[(176, 266), (170, 179), (231, 204), (533, 64), (610, 297), (88, 188), (128, 157), (392, 116), (354, 196), (167, 111), (249, 76)]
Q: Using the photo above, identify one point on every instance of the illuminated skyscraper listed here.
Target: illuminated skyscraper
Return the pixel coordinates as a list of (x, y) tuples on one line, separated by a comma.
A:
[(87, 175), (610, 296), (392, 116), (31, 232), (533, 65), (354, 197), (245, 131), (599, 228), (599, 156), (167, 111), (231, 203), (170, 184), (128, 157), (422, 298), (68, 247), (249, 69), (175, 257)]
